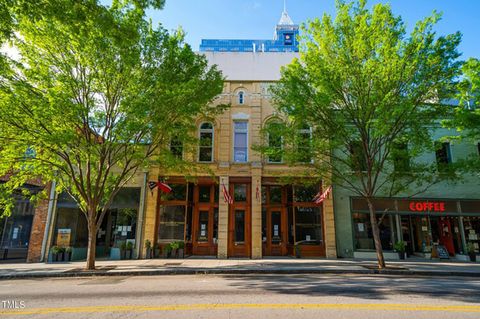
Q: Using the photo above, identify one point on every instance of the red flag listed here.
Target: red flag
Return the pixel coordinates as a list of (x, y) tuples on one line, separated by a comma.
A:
[(226, 195), (164, 187), (257, 193), (161, 186), (319, 198)]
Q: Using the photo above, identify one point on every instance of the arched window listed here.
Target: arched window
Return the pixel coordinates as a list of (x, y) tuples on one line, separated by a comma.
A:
[(176, 147), (241, 97), (304, 144), (205, 151), (275, 142)]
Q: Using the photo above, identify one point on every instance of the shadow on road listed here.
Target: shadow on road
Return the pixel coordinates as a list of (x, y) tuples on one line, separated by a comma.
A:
[(365, 287)]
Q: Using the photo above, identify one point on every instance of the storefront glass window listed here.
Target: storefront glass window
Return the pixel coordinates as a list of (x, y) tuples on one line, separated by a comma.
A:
[(364, 235), (275, 194), (204, 194), (472, 231), (240, 192), (172, 222), (305, 193), (308, 224), (179, 193)]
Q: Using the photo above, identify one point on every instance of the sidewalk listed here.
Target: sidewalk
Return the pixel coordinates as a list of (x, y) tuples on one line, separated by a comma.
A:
[(150, 267)]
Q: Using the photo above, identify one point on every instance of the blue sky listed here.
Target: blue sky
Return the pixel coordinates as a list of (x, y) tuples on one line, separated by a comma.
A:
[(255, 19)]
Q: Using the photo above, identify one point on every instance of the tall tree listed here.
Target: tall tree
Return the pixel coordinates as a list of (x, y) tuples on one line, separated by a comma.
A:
[(96, 96), (466, 116), (370, 91)]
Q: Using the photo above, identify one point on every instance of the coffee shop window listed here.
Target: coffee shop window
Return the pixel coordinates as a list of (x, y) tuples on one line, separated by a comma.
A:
[(364, 235)]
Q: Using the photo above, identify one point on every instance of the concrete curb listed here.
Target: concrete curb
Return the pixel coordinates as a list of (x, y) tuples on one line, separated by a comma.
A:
[(241, 271)]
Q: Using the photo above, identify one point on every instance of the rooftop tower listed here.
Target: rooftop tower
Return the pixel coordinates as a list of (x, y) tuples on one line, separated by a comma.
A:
[(284, 40)]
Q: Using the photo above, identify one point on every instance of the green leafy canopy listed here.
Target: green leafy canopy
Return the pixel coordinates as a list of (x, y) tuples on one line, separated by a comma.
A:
[(366, 86), (96, 97)]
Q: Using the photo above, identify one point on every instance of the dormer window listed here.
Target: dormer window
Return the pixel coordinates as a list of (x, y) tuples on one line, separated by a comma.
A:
[(241, 97)]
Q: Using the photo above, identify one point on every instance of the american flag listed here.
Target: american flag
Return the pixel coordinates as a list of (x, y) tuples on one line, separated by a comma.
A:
[(226, 195), (320, 197)]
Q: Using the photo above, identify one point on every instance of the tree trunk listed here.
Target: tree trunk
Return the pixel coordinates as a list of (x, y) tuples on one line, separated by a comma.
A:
[(376, 235), (92, 245)]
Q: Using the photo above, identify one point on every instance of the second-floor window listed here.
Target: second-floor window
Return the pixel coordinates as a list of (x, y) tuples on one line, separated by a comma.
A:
[(240, 142), (443, 154), (176, 147), (275, 143), (401, 158), (304, 144), (358, 162), (205, 152)]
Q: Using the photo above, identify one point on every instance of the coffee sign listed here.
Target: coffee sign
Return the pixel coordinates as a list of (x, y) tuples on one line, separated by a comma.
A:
[(427, 206)]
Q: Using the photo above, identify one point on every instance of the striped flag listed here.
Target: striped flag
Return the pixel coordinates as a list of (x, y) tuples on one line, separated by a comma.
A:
[(226, 195), (320, 197), (161, 186)]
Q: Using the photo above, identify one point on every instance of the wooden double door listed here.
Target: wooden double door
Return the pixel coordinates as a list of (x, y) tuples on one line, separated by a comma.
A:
[(205, 220), (239, 219)]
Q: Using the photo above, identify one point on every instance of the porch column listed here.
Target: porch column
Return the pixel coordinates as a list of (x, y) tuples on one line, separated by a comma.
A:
[(150, 215), (141, 216), (256, 214), (329, 220), (222, 220)]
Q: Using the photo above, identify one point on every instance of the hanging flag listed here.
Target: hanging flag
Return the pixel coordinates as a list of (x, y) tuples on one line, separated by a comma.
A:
[(226, 195), (161, 186), (257, 193), (320, 197), (152, 185)]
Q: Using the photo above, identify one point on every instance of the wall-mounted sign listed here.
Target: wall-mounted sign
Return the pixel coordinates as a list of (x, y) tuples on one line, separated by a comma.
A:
[(427, 206), (63, 237)]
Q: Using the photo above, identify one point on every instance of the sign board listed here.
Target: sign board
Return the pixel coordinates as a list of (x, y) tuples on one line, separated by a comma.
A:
[(63, 237), (442, 252), (427, 206)]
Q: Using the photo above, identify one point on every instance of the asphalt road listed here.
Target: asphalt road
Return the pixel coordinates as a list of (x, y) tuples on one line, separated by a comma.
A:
[(245, 296)]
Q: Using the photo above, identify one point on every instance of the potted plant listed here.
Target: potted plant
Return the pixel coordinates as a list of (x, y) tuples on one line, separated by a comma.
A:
[(148, 249), (181, 249), (167, 251), (471, 252), (123, 250), (68, 252), (55, 251), (174, 245), (156, 251), (400, 249), (130, 249)]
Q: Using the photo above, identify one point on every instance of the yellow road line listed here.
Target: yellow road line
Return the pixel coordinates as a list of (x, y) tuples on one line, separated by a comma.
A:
[(134, 308)]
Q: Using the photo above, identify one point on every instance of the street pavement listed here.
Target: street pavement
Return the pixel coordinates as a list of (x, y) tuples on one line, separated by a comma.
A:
[(243, 296)]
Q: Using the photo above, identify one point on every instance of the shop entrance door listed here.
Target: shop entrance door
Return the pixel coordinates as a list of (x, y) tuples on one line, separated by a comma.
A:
[(275, 228), (445, 235), (205, 221), (239, 221)]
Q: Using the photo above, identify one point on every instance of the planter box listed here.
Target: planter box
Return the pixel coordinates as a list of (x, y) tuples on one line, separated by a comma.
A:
[(115, 253)]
